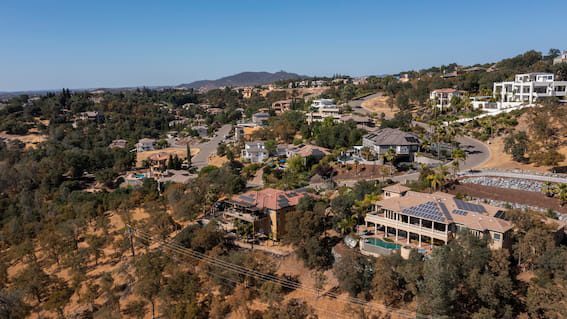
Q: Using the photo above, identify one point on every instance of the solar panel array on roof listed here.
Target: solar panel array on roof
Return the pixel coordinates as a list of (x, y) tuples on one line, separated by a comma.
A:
[(412, 139), (428, 210), (460, 212), (469, 206), (282, 201), (247, 198), (500, 214)]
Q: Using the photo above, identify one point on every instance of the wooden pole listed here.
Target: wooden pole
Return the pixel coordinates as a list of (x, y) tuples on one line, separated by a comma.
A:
[(130, 234)]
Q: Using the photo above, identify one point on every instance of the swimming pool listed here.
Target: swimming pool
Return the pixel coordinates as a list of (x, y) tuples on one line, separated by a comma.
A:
[(380, 243), (140, 176)]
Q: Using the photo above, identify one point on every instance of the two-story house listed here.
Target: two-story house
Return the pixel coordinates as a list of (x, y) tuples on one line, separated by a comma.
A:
[(255, 152), (403, 143), (264, 209), (145, 144), (527, 89), (436, 218), (322, 109), (442, 97), (282, 106)]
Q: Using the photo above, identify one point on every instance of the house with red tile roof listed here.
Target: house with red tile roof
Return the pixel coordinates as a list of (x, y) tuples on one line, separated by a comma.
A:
[(265, 209)]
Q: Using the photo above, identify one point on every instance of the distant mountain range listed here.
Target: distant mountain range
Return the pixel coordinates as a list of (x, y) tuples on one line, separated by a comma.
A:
[(240, 79), (243, 79)]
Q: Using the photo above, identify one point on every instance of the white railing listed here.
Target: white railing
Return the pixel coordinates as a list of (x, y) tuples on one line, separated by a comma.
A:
[(377, 219)]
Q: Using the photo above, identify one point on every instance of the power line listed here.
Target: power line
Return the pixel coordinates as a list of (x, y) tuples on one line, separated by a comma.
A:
[(168, 245), (258, 275)]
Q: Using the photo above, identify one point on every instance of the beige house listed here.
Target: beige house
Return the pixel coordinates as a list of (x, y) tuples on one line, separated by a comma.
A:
[(435, 219), (282, 106)]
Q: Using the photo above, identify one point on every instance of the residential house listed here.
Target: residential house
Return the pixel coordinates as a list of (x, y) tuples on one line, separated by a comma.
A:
[(436, 219), (214, 110), (266, 209), (93, 116), (282, 106), (363, 121), (247, 92), (403, 143), (260, 118), (201, 130), (118, 144), (396, 190), (308, 150), (322, 109), (562, 58), (255, 152), (145, 144), (89, 116), (527, 89), (449, 75), (442, 97), (404, 77)]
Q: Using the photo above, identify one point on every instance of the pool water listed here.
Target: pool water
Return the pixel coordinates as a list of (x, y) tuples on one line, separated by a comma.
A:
[(381, 243), (140, 176)]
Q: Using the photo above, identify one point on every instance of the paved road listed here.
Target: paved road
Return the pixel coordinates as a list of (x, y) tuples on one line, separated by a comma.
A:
[(356, 105), (210, 147), (477, 154)]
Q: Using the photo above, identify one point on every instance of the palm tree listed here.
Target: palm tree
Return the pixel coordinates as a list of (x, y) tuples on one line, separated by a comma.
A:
[(347, 223), (458, 156), (366, 153), (561, 191), (434, 181), (356, 167), (383, 171), (547, 189), (425, 144), (389, 157), (439, 132), (438, 179)]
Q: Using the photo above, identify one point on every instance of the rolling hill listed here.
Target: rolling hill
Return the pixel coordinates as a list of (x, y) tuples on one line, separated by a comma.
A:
[(242, 79)]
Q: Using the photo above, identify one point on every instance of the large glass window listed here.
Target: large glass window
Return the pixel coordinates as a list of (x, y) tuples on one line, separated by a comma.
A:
[(540, 89)]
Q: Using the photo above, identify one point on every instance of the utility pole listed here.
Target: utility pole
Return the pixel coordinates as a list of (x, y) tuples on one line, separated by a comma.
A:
[(130, 235)]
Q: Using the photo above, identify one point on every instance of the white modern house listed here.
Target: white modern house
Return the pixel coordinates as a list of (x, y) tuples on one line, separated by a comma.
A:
[(527, 89), (322, 109), (561, 58), (255, 152), (442, 97), (145, 144)]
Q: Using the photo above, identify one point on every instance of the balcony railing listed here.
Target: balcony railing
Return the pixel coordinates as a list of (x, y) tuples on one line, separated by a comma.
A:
[(380, 219)]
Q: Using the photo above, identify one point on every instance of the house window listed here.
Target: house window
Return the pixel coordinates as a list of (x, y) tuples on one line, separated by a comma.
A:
[(496, 237)]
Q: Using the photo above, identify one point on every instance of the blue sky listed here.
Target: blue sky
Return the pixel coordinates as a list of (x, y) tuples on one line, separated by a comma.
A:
[(85, 44)]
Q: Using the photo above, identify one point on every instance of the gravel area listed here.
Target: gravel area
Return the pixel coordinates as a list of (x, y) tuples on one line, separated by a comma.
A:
[(520, 171), (501, 182)]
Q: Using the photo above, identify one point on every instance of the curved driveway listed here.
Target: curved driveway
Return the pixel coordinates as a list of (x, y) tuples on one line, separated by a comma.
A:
[(478, 153)]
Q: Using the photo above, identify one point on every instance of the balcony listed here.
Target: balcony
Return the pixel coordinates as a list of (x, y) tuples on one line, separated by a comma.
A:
[(417, 229)]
